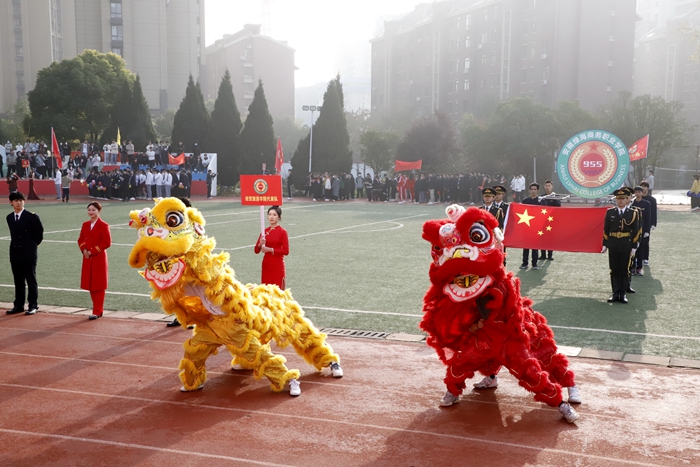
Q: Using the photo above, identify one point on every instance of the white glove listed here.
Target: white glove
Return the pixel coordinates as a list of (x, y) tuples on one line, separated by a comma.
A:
[(634, 250), (605, 248), (653, 227), (646, 234)]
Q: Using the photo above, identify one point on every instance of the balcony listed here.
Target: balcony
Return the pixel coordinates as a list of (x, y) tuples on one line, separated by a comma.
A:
[(247, 79)]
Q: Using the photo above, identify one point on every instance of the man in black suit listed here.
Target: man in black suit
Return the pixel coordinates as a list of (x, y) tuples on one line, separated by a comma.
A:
[(26, 233), (549, 199), (621, 235)]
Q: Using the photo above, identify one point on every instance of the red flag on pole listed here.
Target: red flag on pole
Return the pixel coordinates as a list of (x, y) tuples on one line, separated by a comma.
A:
[(541, 227), (400, 166), (179, 160), (54, 149), (279, 157), (639, 149)]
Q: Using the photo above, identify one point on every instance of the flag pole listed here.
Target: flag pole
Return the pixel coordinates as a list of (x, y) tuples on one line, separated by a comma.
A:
[(262, 214)]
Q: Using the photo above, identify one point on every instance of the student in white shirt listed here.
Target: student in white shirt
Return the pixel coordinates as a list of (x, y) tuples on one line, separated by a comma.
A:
[(149, 184), (158, 181)]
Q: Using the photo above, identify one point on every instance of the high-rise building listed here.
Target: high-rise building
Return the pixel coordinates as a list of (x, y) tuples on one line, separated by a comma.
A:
[(249, 57), (465, 56), (161, 40)]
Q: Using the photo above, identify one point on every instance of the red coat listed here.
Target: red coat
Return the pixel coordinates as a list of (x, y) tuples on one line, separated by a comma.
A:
[(273, 263), (95, 274)]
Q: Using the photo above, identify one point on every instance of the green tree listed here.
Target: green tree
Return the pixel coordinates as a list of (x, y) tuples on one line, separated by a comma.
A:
[(257, 143), (331, 141), (12, 125), (120, 115), (75, 96), (379, 148), (290, 131), (163, 125), (572, 119), (632, 118), (142, 132), (225, 130), (432, 140), (191, 121)]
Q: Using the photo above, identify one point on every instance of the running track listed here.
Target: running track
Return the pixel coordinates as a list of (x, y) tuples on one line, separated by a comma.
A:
[(74, 392)]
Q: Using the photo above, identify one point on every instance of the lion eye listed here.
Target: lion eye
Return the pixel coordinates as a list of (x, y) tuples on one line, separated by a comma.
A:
[(479, 234), (174, 219)]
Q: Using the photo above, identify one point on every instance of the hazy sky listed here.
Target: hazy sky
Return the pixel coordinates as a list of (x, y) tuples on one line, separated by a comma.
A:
[(315, 28)]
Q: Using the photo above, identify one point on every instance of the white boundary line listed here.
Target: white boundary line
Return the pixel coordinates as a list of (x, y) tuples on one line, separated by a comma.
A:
[(302, 417), (410, 315), (141, 446)]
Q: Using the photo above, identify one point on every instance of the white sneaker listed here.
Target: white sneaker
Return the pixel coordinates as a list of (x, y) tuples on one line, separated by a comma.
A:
[(294, 387), (237, 367), (487, 383), (336, 370), (568, 412), (646, 262), (574, 395), (448, 399), (182, 389)]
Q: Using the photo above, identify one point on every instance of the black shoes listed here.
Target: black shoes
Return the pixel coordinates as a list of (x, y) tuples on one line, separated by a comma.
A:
[(32, 310), (623, 299), (630, 289), (14, 311), (613, 298), (173, 323), (550, 258), (93, 317), (542, 258)]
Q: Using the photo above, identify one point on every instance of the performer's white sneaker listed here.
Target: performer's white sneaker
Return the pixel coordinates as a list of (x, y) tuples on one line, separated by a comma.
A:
[(294, 387), (487, 383), (568, 412), (336, 370), (448, 399), (182, 389), (237, 367), (574, 395)]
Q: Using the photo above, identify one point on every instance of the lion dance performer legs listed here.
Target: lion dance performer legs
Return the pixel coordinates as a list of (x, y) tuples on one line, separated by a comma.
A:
[(477, 320), (201, 289)]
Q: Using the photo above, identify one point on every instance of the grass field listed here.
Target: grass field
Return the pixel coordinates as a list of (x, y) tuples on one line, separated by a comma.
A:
[(364, 266)]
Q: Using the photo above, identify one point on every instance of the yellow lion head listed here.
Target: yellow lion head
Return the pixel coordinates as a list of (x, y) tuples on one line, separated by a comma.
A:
[(166, 234)]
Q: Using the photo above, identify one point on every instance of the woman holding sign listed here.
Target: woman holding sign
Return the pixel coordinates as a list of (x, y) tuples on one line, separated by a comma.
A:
[(275, 245)]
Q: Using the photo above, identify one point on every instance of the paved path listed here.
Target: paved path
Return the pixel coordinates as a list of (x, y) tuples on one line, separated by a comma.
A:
[(78, 392)]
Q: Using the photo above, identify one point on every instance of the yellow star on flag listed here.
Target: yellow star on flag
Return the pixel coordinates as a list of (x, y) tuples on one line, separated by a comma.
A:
[(550, 218), (544, 211), (525, 218), (540, 233), (549, 227)]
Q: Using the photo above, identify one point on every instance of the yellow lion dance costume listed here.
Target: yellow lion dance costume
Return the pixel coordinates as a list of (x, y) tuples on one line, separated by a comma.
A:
[(201, 289)]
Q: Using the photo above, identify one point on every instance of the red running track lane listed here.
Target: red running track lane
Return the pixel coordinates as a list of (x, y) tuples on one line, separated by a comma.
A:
[(106, 392)]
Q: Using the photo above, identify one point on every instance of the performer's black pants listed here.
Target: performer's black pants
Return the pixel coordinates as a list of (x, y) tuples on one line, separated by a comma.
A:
[(25, 271)]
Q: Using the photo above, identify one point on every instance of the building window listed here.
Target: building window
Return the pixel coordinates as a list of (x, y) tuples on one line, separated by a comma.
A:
[(466, 42), (494, 35), (117, 50), (483, 60), (485, 15), (484, 37), (115, 10), (493, 58), (466, 85), (117, 33), (466, 21), (18, 22), (466, 64), (482, 83)]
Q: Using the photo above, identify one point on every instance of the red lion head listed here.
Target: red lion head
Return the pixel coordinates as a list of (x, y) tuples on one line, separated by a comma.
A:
[(467, 252)]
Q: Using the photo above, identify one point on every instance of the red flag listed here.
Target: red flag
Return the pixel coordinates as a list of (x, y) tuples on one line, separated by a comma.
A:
[(179, 160), (54, 149), (639, 149), (541, 227), (279, 157), (400, 166)]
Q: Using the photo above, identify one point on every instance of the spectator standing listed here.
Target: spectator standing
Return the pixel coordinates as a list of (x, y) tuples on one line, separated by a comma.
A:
[(158, 182), (650, 180), (210, 179), (359, 184), (694, 193), (149, 183), (167, 182), (26, 233), (66, 180), (12, 180)]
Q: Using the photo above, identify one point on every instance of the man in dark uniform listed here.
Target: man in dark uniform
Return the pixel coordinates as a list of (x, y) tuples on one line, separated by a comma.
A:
[(26, 232), (647, 196), (548, 200), (489, 195), (644, 208), (500, 195), (532, 199), (621, 235)]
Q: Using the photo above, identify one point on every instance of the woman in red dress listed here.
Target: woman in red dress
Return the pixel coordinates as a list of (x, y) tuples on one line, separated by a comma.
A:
[(275, 245), (94, 240), (32, 191)]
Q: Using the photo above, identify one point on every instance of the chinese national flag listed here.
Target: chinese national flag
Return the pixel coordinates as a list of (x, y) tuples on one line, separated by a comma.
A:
[(639, 149), (401, 166), (279, 157), (540, 227), (179, 160), (54, 149)]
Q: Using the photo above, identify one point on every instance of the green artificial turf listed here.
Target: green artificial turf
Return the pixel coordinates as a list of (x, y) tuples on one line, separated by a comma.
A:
[(350, 258)]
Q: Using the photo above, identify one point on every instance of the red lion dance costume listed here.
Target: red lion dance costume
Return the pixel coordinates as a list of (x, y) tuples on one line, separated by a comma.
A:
[(476, 318)]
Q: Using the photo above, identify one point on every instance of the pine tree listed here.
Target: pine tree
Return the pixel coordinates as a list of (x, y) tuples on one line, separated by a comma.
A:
[(331, 143), (191, 121), (121, 114), (141, 132), (225, 132), (257, 142)]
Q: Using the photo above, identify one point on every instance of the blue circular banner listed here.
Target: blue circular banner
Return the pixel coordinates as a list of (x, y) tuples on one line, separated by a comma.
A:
[(592, 164)]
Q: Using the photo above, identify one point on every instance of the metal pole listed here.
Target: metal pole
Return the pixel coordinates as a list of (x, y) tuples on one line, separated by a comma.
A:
[(534, 169), (311, 140)]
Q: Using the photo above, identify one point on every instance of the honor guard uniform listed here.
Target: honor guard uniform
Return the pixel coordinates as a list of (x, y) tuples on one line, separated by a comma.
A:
[(489, 195), (500, 195), (621, 235)]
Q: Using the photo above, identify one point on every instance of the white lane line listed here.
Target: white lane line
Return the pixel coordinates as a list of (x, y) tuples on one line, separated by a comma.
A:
[(335, 230), (307, 307), (363, 426), (59, 289), (140, 446)]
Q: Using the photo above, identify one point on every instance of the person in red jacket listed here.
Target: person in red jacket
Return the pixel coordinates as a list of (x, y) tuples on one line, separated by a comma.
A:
[(275, 245), (94, 240)]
